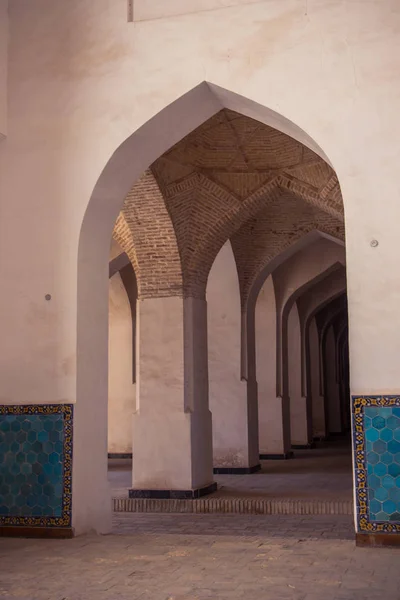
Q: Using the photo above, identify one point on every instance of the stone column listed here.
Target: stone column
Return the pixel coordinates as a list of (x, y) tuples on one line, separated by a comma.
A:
[(172, 452), (121, 387), (298, 402), (274, 437), (235, 443), (317, 398), (332, 391)]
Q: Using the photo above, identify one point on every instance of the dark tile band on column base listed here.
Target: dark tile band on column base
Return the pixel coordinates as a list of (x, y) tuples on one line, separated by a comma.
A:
[(236, 470), (309, 446), (120, 455), (319, 438), (174, 494), (376, 540), (36, 532), (284, 456)]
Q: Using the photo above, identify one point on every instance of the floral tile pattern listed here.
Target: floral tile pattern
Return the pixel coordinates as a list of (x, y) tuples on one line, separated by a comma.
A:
[(36, 465), (376, 439)]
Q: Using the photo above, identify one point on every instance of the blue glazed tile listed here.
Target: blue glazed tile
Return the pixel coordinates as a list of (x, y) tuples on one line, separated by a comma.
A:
[(371, 411), (381, 516), (372, 458), (386, 434), (387, 458), (393, 423), (381, 494), (33, 483), (394, 494), (378, 422), (394, 469), (388, 482), (396, 434), (375, 506), (372, 435), (374, 482), (379, 446), (380, 469), (393, 447), (389, 507)]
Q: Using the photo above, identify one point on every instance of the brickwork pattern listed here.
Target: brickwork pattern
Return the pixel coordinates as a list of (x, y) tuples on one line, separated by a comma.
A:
[(207, 188), (145, 232)]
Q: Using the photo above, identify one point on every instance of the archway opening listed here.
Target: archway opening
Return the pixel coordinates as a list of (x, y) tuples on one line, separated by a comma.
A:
[(230, 180)]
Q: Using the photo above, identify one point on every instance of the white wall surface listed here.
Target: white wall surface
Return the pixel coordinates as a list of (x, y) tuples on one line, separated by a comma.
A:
[(319, 69), (3, 66)]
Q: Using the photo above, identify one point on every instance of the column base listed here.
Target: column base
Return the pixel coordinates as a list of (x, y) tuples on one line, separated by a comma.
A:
[(284, 456), (174, 494), (376, 540), (120, 455), (308, 446), (319, 438), (236, 470), (37, 532)]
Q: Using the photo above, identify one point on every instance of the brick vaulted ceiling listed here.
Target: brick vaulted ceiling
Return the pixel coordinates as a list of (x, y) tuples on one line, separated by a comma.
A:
[(236, 178)]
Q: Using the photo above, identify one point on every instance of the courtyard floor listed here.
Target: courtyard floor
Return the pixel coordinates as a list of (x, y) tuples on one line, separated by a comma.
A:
[(323, 473), (203, 557)]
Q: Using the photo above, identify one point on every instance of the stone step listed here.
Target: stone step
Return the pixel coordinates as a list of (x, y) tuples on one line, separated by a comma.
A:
[(249, 506)]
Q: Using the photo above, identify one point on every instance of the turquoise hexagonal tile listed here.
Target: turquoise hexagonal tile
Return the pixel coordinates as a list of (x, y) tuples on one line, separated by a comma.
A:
[(396, 434), (386, 434), (389, 507), (395, 517), (381, 494), (388, 482), (393, 422), (372, 458), (393, 446), (371, 411), (394, 469), (374, 482), (380, 469), (381, 516), (379, 446), (372, 435), (394, 494), (374, 507), (386, 458)]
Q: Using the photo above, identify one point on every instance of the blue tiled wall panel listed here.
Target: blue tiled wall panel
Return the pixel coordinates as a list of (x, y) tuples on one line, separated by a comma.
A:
[(376, 438), (35, 465)]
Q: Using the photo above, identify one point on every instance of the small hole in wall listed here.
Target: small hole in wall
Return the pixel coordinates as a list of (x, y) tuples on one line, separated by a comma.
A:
[(47, 297)]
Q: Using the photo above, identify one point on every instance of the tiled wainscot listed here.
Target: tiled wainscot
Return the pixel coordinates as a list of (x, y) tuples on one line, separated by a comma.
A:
[(35, 466), (376, 439)]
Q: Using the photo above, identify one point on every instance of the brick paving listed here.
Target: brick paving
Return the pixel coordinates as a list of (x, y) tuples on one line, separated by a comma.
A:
[(203, 557)]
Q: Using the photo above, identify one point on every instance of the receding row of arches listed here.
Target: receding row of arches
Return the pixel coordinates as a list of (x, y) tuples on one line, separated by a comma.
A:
[(226, 187)]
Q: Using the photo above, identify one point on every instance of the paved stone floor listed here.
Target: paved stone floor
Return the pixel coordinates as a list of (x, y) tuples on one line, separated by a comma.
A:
[(203, 557), (323, 473)]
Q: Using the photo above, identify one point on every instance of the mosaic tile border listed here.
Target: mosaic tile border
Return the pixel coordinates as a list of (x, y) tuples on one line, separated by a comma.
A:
[(364, 524), (48, 409)]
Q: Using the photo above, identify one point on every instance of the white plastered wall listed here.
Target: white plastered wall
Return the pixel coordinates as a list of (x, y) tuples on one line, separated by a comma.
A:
[(72, 59), (3, 66), (121, 389), (227, 393)]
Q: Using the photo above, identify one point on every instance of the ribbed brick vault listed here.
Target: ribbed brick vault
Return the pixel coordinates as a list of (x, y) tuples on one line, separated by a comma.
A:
[(231, 178)]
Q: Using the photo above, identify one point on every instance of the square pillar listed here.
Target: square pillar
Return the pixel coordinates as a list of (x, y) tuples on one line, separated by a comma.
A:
[(172, 431)]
